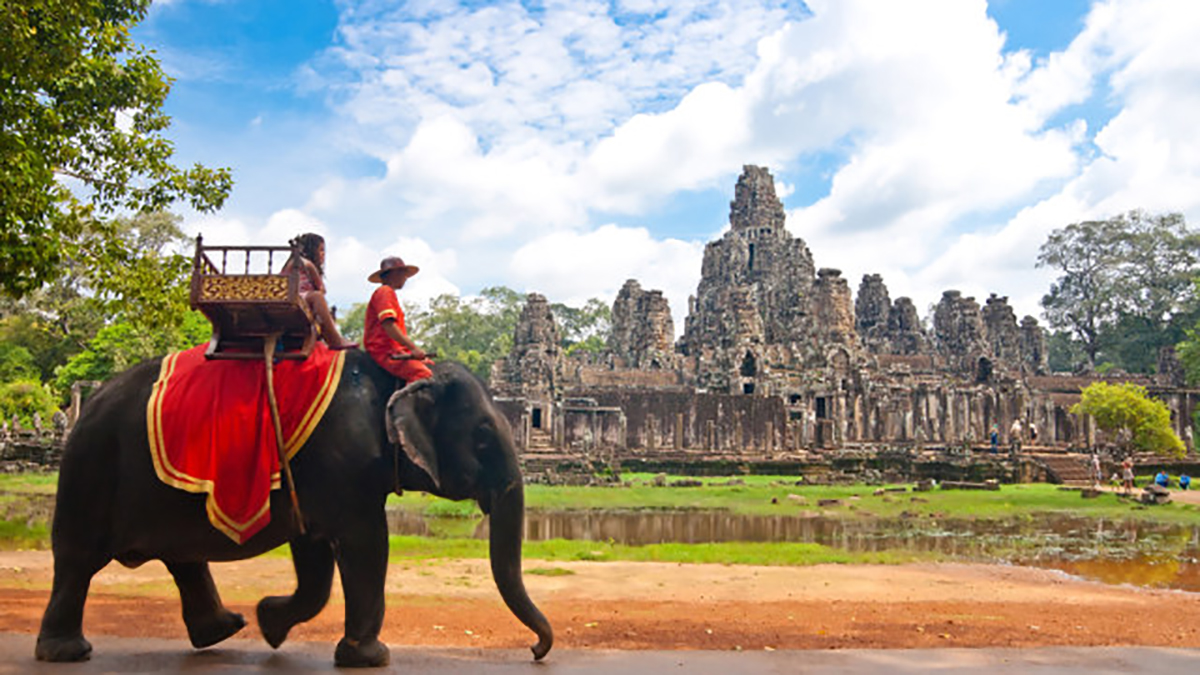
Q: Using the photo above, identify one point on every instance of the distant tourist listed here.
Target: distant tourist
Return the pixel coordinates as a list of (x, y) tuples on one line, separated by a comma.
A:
[(1014, 435), (1032, 433), (1162, 479), (1097, 475), (995, 435), (1127, 474), (1185, 482)]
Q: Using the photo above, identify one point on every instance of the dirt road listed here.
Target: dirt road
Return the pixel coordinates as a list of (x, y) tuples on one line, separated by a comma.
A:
[(663, 606)]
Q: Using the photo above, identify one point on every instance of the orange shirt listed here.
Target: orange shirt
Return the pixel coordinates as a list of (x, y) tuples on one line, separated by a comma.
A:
[(383, 306)]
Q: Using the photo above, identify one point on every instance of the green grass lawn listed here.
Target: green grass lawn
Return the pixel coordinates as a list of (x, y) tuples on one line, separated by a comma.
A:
[(771, 495)]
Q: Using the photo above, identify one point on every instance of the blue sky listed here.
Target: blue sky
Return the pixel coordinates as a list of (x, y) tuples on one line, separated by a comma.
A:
[(564, 147)]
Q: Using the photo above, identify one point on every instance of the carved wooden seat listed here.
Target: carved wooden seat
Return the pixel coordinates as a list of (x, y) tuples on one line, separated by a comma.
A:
[(249, 304)]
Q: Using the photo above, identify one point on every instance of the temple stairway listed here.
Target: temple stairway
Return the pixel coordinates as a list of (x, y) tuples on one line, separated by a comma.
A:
[(1066, 468)]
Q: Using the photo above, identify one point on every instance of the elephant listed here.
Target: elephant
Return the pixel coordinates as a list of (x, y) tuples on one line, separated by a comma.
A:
[(112, 506)]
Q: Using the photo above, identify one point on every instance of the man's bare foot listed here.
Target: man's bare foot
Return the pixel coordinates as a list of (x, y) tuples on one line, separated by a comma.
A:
[(344, 344)]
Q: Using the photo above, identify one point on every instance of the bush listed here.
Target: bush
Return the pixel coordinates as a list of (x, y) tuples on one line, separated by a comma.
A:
[(25, 398), (17, 364)]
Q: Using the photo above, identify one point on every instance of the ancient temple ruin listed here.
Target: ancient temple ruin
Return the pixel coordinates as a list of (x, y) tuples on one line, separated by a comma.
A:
[(778, 359)]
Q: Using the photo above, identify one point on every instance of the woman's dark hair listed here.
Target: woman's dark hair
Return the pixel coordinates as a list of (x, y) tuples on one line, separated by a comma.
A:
[(308, 244)]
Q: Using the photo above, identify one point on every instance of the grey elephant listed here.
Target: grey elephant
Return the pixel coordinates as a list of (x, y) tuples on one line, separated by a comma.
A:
[(112, 506)]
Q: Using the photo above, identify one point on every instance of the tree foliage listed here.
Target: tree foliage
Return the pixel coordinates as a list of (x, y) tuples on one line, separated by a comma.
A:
[(478, 331), (81, 114), (23, 399), (1136, 421), (120, 345), (134, 269), (17, 364), (584, 328), (1125, 285), (473, 331)]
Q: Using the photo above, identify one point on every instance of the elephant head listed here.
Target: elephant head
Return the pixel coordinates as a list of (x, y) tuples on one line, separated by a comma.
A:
[(452, 442)]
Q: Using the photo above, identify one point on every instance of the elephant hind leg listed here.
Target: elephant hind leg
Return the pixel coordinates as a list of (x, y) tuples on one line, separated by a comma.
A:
[(208, 621), (61, 635), (313, 560)]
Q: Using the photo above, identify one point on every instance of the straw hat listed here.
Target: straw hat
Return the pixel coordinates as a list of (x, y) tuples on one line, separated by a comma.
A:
[(392, 263)]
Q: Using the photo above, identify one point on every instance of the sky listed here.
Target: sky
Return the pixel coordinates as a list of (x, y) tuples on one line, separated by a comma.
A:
[(565, 147)]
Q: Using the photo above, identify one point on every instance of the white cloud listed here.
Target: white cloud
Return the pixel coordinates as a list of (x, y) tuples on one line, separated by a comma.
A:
[(1148, 153), (573, 267)]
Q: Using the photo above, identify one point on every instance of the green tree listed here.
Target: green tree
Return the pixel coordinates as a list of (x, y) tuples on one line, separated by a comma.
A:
[(134, 269), (475, 331), (81, 110), (1159, 257), (352, 324), (16, 364), (1125, 287), (1136, 421), (50, 335), (120, 345), (1063, 351), (584, 328), (1081, 300), (25, 398)]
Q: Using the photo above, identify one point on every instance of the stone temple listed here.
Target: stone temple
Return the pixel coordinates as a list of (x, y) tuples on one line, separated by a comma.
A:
[(780, 363)]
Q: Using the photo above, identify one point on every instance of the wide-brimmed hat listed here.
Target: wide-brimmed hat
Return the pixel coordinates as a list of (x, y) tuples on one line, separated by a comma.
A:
[(392, 263)]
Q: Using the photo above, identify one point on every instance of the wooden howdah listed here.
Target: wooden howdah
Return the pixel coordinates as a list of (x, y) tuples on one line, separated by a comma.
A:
[(250, 293)]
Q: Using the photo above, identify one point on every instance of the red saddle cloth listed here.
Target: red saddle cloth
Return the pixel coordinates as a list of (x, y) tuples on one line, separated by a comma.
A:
[(210, 428)]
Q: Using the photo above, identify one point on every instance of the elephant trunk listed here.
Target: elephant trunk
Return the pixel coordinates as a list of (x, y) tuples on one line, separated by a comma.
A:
[(507, 533)]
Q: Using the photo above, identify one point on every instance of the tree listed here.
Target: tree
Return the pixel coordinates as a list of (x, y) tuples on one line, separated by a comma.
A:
[(584, 328), (81, 114), (1136, 421), (1125, 285), (120, 345), (16, 364), (133, 267), (1159, 257), (23, 399), (475, 332), (1081, 300), (352, 324)]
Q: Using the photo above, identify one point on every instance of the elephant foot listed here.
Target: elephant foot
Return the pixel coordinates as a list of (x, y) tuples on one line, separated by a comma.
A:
[(208, 633), (63, 649), (366, 654), (273, 620)]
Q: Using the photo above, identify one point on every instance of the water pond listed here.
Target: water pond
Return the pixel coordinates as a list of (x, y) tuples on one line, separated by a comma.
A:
[(1139, 553)]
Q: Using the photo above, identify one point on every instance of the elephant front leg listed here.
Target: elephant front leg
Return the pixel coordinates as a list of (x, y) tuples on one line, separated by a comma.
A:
[(208, 621), (61, 635), (313, 560), (362, 564)]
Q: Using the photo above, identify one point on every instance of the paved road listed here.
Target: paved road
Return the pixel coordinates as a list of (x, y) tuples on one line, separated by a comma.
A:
[(132, 656)]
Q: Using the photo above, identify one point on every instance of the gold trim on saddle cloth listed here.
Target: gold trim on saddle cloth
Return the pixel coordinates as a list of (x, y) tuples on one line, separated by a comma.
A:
[(172, 476)]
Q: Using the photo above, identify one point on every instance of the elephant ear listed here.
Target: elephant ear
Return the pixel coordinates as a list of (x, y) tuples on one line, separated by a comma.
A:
[(410, 419)]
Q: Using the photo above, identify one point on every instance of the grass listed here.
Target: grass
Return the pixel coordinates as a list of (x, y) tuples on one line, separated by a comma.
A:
[(19, 536), (26, 483), (550, 572), (739, 553), (770, 495)]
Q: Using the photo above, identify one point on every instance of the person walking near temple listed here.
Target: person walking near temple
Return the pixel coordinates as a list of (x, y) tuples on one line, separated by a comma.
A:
[(1127, 475), (1014, 436)]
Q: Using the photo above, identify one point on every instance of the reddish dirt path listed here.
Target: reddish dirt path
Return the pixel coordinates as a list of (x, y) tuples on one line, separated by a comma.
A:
[(664, 606)]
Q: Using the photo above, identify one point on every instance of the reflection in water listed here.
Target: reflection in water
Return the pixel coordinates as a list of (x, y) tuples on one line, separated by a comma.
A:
[(1145, 554)]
